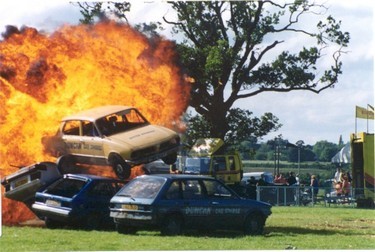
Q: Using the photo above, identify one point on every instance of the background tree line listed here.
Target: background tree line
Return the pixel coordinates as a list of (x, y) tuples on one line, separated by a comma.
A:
[(321, 151)]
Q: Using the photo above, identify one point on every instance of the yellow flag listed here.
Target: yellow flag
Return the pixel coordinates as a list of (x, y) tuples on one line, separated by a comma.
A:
[(364, 113)]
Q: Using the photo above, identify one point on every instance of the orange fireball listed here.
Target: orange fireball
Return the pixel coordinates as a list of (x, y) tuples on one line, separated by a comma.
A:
[(46, 77)]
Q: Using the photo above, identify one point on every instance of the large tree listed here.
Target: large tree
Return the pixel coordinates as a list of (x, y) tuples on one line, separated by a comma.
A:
[(229, 48), (232, 51)]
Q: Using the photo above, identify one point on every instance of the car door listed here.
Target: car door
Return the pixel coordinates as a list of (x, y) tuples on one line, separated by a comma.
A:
[(71, 135), (92, 143), (196, 208), (225, 206)]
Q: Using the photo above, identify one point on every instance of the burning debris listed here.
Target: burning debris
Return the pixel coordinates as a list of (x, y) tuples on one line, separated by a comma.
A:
[(46, 77)]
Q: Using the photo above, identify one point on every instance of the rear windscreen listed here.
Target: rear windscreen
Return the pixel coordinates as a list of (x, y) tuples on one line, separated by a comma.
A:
[(66, 187)]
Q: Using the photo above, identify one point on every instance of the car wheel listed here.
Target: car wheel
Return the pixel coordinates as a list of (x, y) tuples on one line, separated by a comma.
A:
[(170, 159), (123, 229), (52, 224), (172, 226), (254, 224), (66, 164), (121, 168)]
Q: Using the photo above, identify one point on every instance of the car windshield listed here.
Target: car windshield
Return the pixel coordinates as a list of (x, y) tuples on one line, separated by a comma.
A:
[(120, 122), (66, 187), (146, 188)]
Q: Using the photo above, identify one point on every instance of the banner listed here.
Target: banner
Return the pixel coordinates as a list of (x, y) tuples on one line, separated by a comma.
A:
[(364, 113)]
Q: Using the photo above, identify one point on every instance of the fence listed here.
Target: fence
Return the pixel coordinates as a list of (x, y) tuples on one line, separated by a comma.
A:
[(303, 196)]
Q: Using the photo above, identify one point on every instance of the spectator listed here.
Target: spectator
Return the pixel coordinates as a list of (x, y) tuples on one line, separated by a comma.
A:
[(292, 179), (349, 177), (279, 179), (252, 181), (297, 179), (314, 183), (338, 176), (173, 169), (345, 185), (261, 181), (251, 188)]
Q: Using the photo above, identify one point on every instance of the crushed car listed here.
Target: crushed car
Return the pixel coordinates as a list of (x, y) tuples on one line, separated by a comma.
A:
[(24, 183), (77, 200), (174, 203), (116, 135)]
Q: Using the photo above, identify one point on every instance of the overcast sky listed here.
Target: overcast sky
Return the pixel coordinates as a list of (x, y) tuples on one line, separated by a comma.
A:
[(305, 116)]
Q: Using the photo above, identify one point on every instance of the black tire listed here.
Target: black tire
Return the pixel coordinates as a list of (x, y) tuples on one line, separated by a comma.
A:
[(121, 168), (171, 226), (53, 224), (123, 229), (254, 224), (170, 159), (67, 164)]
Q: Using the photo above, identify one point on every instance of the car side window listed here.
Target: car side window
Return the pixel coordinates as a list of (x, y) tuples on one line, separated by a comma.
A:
[(71, 128), (173, 191), (66, 187), (216, 190), (219, 163), (191, 189), (89, 129)]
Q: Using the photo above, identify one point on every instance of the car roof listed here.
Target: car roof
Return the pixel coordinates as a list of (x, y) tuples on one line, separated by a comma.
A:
[(97, 112), (179, 176), (89, 176)]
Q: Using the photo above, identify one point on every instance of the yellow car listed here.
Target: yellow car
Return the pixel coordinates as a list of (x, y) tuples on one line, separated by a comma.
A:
[(116, 135)]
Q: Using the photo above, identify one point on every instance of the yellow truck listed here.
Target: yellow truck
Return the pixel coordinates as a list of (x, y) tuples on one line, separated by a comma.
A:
[(208, 157), (362, 161)]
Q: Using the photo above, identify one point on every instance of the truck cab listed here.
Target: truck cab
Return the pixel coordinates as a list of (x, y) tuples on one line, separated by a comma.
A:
[(207, 157)]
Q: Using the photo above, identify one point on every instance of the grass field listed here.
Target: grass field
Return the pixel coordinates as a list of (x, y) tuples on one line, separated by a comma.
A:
[(287, 228)]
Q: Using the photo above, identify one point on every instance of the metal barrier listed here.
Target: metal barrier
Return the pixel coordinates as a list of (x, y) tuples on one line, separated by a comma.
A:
[(303, 196)]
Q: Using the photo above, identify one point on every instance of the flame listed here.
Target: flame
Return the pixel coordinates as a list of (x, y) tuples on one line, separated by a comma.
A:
[(46, 77)]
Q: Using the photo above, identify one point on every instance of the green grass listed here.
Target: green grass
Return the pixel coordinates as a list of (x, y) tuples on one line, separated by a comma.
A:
[(288, 227)]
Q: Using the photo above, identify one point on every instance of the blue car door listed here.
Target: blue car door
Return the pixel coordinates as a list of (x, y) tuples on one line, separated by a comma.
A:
[(225, 206)]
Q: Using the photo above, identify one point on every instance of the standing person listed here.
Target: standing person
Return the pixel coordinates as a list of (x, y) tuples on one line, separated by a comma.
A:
[(297, 179), (345, 185), (261, 181), (314, 183), (337, 181), (338, 176), (292, 179), (173, 169)]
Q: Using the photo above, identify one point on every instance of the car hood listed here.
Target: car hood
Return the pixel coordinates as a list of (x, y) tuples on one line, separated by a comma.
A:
[(144, 136)]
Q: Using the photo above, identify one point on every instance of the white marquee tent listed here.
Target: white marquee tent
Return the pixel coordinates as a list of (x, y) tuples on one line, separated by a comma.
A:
[(343, 156)]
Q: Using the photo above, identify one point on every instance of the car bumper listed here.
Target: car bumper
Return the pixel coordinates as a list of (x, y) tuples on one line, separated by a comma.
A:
[(149, 158), (51, 212), (133, 218)]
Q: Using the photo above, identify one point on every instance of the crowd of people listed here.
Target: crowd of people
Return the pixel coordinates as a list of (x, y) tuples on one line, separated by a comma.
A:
[(342, 181)]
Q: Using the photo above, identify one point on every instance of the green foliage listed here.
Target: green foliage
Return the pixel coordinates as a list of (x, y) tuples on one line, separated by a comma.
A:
[(224, 48), (325, 150), (96, 11), (303, 228), (241, 127)]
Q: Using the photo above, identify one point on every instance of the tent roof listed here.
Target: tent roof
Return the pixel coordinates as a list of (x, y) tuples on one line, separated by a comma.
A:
[(343, 156)]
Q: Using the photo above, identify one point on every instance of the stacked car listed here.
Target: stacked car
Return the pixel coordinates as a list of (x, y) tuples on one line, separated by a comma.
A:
[(120, 136)]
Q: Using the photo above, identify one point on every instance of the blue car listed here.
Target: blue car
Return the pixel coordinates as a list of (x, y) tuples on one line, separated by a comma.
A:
[(80, 200), (173, 203)]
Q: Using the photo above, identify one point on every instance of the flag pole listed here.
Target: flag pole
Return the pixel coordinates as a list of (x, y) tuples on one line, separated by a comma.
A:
[(355, 121)]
